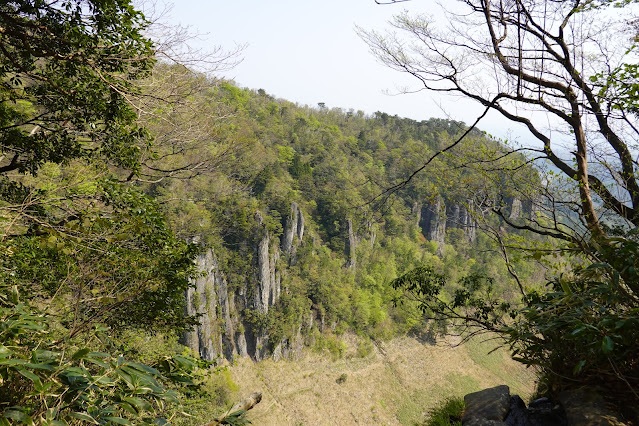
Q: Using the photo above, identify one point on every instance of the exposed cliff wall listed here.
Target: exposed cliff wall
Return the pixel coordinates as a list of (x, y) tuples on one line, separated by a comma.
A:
[(232, 321), (268, 281), (213, 337), (221, 332), (293, 233), (435, 218)]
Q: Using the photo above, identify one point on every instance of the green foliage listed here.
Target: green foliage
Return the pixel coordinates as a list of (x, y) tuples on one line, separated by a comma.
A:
[(332, 164), (48, 381), (364, 348), (449, 413), (66, 70), (584, 326), (471, 303), (329, 343), (117, 264), (91, 254), (341, 379)]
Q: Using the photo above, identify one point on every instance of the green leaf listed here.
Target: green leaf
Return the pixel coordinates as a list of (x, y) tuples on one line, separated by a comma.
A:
[(29, 375), (607, 344), (139, 403), (85, 417), (144, 368), (126, 377), (43, 387), (118, 420), (80, 354), (580, 365), (107, 381), (127, 407), (17, 413)]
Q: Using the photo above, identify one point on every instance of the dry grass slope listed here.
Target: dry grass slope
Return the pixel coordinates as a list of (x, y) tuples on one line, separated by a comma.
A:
[(397, 384)]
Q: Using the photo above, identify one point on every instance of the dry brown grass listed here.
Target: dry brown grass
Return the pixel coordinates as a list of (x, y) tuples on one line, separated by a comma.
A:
[(397, 384)]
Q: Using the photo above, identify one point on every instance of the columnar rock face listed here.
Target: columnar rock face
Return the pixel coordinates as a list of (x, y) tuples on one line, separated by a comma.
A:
[(438, 226), (468, 222), (433, 223), (267, 290), (209, 299), (515, 209), (531, 207), (460, 217), (220, 331), (276, 280), (268, 279), (264, 285), (416, 210), (226, 304), (293, 232), (454, 216)]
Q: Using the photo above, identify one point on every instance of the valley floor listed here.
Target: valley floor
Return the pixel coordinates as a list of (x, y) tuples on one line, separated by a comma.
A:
[(396, 384)]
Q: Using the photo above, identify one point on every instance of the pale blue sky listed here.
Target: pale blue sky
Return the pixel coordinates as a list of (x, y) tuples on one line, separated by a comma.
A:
[(307, 51)]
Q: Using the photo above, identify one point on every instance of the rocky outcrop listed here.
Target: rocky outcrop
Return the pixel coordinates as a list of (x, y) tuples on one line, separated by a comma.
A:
[(264, 285), (531, 207), (212, 338), (488, 405), (221, 332), (268, 279), (460, 217), (515, 209), (433, 222), (468, 222), (576, 407), (293, 233), (435, 218)]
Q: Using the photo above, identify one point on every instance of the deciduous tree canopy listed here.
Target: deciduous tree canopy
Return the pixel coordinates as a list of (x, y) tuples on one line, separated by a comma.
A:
[(562, 69), (66, 69), (567, 71)]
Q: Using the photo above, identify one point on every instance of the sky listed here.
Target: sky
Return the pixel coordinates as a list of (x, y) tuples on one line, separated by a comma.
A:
[(307, 51)]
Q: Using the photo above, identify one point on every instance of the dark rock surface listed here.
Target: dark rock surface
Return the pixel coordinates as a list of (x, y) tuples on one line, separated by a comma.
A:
[(540, 412), (577, 407), (488, 404)]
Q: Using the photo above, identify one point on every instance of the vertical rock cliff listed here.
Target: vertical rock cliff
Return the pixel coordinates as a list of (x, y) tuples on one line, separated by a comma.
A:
[(435, 218), (433, 222), (221, 332), (293, 233), (212, 338)]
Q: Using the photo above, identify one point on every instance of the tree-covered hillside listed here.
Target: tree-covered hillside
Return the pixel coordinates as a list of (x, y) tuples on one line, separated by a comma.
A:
[(142, 203), (305, 234)]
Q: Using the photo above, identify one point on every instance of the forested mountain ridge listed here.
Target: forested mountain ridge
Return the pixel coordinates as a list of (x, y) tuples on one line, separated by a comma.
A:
[(141, 201), (300, 236)]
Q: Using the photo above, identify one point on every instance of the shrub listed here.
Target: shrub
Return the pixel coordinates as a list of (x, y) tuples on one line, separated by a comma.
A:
[(47, 381), (447, 414), (581, 328)]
